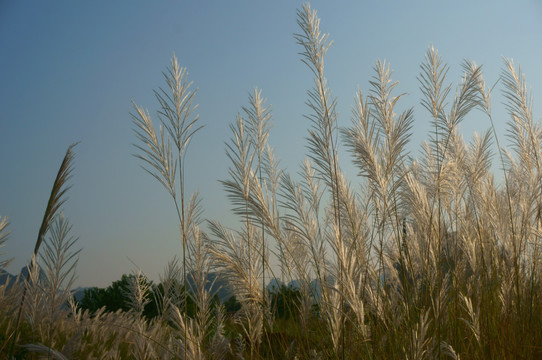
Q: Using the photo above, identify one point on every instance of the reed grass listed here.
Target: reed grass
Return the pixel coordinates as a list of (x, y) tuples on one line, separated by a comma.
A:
[(3, 238), (435, 257)]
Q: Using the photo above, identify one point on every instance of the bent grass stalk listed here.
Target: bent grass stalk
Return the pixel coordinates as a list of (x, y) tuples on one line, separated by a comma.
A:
[(56, 199)]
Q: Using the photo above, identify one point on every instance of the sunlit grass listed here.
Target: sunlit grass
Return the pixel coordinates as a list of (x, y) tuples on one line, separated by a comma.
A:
[(427, 258)]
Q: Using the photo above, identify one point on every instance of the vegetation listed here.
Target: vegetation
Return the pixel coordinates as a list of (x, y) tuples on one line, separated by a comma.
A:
[(428, 258)]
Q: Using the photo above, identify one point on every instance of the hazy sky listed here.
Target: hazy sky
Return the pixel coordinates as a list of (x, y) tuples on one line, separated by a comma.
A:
[(70, 69)]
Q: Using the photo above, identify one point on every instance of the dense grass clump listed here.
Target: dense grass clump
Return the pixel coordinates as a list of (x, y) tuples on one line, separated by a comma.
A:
[(436, 257)]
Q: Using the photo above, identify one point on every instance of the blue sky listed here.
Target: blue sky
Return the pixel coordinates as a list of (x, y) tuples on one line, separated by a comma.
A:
[(70, 69)]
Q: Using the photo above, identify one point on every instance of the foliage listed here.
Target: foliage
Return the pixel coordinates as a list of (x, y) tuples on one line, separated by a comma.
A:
[(285, 302), (112, 298)]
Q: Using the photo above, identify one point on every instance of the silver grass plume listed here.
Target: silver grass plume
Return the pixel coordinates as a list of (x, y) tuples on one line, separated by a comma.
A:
[(237, 258), (56, 200), (163, 155), (200, 287), (137, 293), (169, 293), (525, 176), (3, 238), (259, 117), (59, 260), (323, 142)]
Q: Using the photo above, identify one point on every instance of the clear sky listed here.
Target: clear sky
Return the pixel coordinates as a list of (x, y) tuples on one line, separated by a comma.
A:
[(70, 69)]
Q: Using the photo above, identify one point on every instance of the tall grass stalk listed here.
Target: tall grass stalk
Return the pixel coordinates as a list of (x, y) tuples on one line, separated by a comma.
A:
[(56, 200), (161, 159), (3, 238), (259, 117), (323, 134)]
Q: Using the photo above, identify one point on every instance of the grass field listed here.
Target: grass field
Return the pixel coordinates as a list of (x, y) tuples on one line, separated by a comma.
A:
[(435, 257)]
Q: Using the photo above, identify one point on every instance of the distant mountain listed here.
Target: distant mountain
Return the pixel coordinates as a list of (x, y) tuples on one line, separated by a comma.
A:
[(225, 291), (79, 292), (294, 284), (274, 285), (216, 284), (24, 274), (6, 276), (315, 287)]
